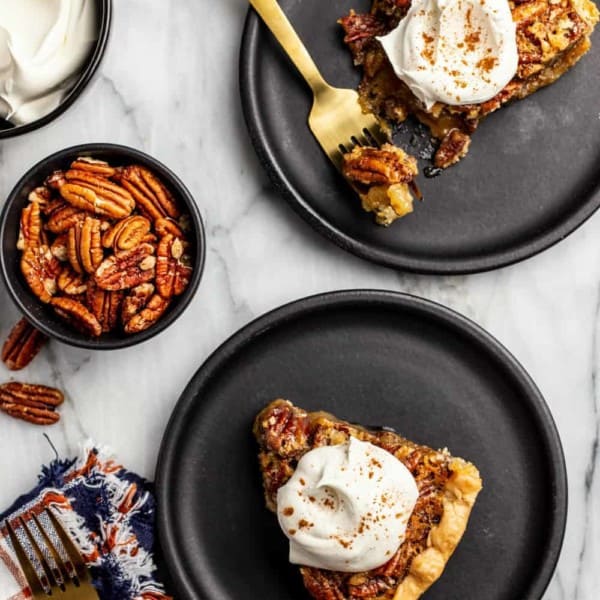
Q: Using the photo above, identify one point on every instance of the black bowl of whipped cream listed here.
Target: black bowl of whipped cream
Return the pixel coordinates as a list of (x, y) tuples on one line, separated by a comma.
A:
[(49, 52)]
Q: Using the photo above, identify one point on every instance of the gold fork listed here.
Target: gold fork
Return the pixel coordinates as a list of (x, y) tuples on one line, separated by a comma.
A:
[(63, 580), (336, 118)]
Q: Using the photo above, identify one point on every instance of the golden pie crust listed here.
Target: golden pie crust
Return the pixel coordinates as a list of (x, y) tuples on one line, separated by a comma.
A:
[(448, 487), (552, 35)]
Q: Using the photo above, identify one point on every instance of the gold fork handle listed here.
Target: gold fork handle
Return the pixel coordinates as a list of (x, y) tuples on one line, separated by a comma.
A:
[(278, 23)]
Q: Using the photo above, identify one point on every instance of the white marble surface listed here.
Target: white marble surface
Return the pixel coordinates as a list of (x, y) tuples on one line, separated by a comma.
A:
[(148, 93)]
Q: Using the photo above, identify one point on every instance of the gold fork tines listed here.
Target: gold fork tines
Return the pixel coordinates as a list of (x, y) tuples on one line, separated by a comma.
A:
[(60, 578), (336, 118), (37, 590)]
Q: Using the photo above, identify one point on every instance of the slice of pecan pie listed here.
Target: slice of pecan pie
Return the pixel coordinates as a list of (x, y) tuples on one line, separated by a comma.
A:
[(447, 488), (384, 180), (552, 35)]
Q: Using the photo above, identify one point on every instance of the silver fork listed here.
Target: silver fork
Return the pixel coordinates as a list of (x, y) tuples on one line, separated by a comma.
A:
[(65, 579)]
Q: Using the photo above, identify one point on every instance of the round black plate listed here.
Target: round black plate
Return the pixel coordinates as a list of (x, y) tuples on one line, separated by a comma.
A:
[(377, 358), (530, 179)]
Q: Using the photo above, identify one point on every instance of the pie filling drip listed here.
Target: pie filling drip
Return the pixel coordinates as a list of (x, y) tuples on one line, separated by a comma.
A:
[(346, 507)]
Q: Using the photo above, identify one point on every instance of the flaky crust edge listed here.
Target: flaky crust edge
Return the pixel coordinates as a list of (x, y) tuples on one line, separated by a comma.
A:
[(460, 494), (588, 11)]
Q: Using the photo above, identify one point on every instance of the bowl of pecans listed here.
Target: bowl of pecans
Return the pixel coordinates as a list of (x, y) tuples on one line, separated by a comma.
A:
[(102, 246)]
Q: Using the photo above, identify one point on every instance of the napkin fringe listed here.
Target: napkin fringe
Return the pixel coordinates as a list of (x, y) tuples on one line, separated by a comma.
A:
[(109, 513)]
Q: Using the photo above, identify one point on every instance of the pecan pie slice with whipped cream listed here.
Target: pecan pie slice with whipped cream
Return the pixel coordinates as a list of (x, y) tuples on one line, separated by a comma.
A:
[(549, 37), (369, 514)]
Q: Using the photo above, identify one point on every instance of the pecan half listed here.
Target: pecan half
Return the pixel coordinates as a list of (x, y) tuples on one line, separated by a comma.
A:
[(32, 403), (149, 315), (135, 301), (127, 234), (105, 306), (452, 148), (386, 165), (77, 315), (150, 238), (283, 428), (40, 270), (127, 269), (92, 165), (97, 195), (59, 247), (55, 180), (30, 232), (85, 246), (173, 267), (62, 216), (150, 194), (165, 226), (362, 26), (71, 283), (42, 195), (22, 345)]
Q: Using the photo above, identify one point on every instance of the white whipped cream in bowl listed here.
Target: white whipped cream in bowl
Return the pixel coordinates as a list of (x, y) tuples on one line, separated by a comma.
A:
[(454, 51), (48, 51), (346, 507)]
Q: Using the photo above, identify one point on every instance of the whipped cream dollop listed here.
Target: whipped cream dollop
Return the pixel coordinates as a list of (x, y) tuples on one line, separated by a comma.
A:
[(43, 47), (454, 51), (346, 507)]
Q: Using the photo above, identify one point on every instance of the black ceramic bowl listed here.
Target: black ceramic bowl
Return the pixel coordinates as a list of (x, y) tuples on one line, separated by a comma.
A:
[(41, 315), (104, 18)]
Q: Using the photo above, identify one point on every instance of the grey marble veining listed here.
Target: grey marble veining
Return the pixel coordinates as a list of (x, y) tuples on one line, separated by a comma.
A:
[(169, 86)]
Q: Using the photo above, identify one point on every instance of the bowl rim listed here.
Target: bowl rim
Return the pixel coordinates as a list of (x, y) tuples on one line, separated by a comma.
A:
[(81, 85), (76, 339)]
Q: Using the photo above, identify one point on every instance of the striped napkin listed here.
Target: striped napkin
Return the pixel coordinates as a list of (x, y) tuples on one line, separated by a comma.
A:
[(109, 513)]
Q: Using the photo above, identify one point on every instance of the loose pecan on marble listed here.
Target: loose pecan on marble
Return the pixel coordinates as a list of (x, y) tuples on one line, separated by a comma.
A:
[(149, 315), (85, 246), (32, 403), (150, 194), (173, 267), (40, 269), (127, 269), (97, 195), (22, 345), (77, 315)]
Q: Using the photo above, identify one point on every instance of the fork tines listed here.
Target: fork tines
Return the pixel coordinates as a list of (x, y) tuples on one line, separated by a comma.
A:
[(45, 568), (374, 137)]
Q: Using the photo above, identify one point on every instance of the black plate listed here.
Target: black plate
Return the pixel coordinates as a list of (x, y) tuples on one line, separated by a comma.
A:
[(530, 179), (377, 358)]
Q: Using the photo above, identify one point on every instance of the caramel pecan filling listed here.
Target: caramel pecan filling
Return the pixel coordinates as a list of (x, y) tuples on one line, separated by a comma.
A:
[(285, 433), (552, 35)]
